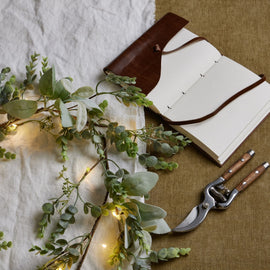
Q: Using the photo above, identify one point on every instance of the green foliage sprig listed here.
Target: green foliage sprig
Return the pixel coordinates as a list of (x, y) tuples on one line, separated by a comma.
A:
[(4, 245), (82, 118)]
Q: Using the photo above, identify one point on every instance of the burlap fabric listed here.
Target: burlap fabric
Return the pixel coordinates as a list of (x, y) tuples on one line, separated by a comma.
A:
[(239, 237)]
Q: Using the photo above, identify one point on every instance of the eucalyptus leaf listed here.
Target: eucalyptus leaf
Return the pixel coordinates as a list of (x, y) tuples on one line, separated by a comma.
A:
[(71, 209), (151, 161), (157, 226), (61, 242), (81, 116), (162, 254), (84, 92), (48, 208), (47, 83), (97, 139), (6, 93), (2, 136), (66, 118), (140, 183), (96, 211), (149, 212), (74, 252), (21, 108), (66, 216), (173, 253), (63, 224)]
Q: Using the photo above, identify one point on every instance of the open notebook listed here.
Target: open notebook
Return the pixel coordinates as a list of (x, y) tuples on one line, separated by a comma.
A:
[(194, 81)]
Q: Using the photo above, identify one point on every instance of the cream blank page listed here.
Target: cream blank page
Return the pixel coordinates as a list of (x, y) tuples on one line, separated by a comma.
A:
[(181, 69), (222, 81), (240, 116)]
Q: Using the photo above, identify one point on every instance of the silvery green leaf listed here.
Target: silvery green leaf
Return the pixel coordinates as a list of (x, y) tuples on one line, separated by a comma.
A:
[(60, 91), (61, 242), (157, 226), (74, 252), (47, 83), (147, 238), (5, 93), (173, 253), (71, 209), (81, 116), (2, 136), (96, 211), (66, 118), (153, 257), (162, 254), (48, 208), (151, 161), (184, 251), (90, 104), (134, 209), (84, 92), (97, 139), (149, 212), (21, 108), (140, 183), (67, 84), (126, 237)]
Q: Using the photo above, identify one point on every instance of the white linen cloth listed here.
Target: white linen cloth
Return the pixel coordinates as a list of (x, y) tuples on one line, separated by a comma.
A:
[(79, 38)]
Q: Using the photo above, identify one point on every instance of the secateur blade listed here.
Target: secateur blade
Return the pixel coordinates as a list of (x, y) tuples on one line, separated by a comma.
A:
[(199, 212), (217, 196)]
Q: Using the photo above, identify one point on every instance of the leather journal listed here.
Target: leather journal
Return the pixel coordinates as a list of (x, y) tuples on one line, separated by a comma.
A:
[(203, 94)]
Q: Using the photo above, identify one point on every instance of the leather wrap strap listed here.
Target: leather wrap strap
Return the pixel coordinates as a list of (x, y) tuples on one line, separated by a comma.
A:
[(196, 39), (142, 59), (200, 119)]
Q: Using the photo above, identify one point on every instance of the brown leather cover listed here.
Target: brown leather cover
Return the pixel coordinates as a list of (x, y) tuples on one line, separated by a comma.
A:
[(142, 59)]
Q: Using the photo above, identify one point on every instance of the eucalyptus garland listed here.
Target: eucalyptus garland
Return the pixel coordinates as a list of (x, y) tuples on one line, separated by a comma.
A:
[(82, 118)]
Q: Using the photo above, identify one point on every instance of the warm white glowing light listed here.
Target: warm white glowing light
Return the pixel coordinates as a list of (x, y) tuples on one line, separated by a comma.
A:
[(12, 127), (104, 245), (116, 215)]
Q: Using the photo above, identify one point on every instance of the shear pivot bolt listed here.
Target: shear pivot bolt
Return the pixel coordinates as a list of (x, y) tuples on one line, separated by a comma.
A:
[(242, 159), (205, 205), (230, 171), (256, 172)]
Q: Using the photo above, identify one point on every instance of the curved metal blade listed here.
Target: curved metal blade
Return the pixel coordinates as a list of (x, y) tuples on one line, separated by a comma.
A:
[(194, 218)]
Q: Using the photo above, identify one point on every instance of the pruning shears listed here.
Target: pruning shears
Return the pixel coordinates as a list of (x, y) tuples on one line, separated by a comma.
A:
[(217, 196)]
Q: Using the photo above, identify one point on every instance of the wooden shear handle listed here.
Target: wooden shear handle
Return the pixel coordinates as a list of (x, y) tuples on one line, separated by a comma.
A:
[(252, 177), (238, 165)]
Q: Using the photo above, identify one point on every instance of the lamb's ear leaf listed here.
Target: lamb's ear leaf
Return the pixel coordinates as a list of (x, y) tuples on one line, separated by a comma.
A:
[(84, 92), (140, 183), (81, 116), (149, 212), (20, 108), (61, 90), (66, 118), (157, 226), (47, 83)]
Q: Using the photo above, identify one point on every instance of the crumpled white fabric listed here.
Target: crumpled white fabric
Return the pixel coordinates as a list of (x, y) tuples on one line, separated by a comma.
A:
[(79, 38)]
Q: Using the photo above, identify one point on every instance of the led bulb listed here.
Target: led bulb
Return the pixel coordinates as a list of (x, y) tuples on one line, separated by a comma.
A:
[(116, 215)]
